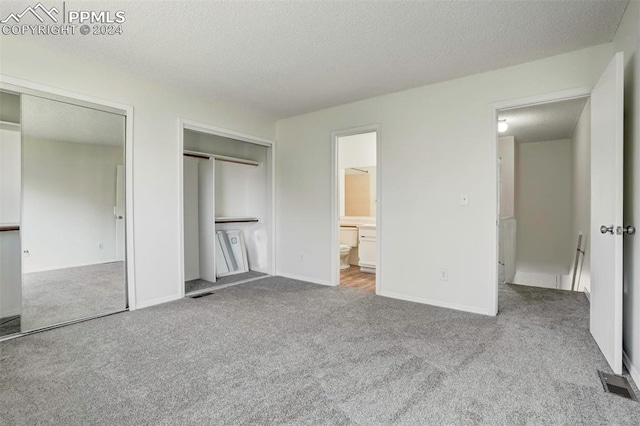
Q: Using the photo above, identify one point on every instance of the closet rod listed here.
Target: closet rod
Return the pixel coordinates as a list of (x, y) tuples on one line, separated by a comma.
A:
[(359, 170), (247, 220), (207, 156), (197, 156)]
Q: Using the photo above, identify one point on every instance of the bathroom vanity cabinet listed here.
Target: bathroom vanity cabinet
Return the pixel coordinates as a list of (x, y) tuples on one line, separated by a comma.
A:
[(367, 248)]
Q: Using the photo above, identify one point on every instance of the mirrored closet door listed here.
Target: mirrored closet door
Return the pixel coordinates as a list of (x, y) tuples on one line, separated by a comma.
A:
[(71, 239), (10, 287)]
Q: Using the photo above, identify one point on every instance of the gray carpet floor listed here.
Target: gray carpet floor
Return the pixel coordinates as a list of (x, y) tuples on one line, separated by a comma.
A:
[(279, 351), (197, 285), (53, 297)]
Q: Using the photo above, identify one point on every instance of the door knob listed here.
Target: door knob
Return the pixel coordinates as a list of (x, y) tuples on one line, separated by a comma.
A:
[(119, 217), (629, 230), (606, 229)]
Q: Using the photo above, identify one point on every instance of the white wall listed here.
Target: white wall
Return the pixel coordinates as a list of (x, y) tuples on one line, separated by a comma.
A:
[(69, 191), (437, 142), (507, 153), (581, 192), (628, 40), (156, 158), (543, 203)]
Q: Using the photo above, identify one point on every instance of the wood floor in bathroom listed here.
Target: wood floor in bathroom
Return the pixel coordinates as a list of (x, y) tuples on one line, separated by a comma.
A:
[(352, 277)]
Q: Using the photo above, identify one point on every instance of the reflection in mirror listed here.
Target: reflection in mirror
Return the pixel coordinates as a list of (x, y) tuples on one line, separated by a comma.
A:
[(10, 288), (72, 228)]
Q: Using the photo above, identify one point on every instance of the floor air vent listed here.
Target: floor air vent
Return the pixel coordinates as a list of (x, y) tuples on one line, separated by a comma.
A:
[(197, 296), (617, 385)]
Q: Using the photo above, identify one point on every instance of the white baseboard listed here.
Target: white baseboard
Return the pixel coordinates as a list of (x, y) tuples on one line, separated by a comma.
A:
[(457, 307), (588, 294), (633, 371), (158, 301), (301, 278)]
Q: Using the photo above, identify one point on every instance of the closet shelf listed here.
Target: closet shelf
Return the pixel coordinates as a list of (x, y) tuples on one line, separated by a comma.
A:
[(207, 156), (236, 219)]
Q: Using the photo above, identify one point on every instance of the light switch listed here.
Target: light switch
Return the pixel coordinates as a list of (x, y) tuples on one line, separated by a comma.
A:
[(464, 199)]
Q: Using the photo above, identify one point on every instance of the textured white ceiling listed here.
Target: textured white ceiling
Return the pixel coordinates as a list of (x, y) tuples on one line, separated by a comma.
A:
[(290, 57), (544, 122), (46, 119)]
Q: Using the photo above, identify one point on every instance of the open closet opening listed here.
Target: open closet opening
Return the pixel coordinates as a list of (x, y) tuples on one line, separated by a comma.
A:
[(227, 210)]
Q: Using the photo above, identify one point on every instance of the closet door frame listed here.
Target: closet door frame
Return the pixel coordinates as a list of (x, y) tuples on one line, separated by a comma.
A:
[(25, 87), (186, 124)]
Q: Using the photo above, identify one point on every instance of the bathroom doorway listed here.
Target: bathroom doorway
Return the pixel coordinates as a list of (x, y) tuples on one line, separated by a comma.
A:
[(355, 228)]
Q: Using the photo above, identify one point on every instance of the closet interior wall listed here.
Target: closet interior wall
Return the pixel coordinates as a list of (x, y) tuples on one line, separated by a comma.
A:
[(239, 191)]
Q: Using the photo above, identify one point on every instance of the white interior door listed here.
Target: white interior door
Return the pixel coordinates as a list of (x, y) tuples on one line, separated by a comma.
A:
[(606, 211), (118, 211)]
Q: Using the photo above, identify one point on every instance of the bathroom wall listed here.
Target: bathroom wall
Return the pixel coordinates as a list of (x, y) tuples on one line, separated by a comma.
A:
[(358, 151), (357, 194)]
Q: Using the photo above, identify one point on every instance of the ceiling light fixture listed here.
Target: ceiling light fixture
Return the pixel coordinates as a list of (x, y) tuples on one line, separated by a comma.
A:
[(502, 125)]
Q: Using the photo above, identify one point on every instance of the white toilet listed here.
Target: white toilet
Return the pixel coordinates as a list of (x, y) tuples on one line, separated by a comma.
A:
[(348, 240)]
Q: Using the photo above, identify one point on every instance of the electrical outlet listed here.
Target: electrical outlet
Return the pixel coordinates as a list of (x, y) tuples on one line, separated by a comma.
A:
[(100, 246), (464, 199), (444, 275), (26, 253)]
